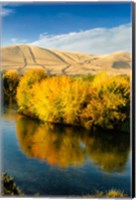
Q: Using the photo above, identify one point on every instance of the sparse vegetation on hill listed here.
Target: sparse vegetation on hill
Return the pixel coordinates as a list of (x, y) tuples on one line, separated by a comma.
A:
[(25, 57), (100, 102)]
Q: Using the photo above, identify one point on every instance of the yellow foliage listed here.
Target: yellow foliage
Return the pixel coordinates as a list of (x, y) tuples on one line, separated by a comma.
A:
[(113, 193), (24, 94), (109, 104), (11, 74), (10, 81), (102, 102)]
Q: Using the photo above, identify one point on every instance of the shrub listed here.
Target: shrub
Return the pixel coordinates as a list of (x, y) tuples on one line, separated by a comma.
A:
[(111, 194), (9, 187), (102, 102), (24, 94), (109, 103), (10, 82)]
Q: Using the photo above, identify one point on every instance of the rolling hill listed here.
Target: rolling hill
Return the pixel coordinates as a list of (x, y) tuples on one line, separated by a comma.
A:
[(24, 57)]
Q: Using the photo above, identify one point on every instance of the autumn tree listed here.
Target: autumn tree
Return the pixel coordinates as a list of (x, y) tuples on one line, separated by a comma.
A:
[(102, 101), (10, 82), (24, 94)]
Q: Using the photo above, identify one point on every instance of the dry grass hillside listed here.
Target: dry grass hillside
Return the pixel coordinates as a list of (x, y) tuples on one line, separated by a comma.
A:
[(24, 57)]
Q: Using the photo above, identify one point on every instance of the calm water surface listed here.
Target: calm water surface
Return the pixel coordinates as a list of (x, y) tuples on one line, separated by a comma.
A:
[(63, 161)]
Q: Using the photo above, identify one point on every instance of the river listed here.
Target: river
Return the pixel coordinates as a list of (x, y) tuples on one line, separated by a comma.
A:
[(54, 160)]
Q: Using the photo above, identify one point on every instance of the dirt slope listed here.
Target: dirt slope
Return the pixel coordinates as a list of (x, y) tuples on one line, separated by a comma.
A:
[(24, 57)]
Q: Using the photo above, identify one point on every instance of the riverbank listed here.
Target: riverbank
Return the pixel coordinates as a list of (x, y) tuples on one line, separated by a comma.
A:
[(9, 187), (93, 101)]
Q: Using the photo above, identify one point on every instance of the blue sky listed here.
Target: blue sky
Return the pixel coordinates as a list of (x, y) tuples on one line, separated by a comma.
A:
[(59, 25)]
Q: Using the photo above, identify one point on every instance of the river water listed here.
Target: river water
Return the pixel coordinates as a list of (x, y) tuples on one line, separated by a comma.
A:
[(50, 160)]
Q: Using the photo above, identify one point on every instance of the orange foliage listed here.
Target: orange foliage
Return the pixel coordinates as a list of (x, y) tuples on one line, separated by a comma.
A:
[(64, 147), (103, 101)]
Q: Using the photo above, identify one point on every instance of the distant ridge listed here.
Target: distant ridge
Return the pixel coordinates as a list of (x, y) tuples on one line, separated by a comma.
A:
[(24, 57)]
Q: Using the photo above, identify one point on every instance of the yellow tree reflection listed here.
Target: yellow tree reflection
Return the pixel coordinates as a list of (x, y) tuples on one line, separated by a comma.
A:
[(47, 143), (64, 147)]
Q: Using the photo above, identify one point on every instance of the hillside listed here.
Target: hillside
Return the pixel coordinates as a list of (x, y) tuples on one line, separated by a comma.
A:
[(24, 57)]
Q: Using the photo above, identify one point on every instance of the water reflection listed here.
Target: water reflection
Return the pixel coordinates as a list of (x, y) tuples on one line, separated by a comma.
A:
[(9, 112), (66, 146), (109, 152)]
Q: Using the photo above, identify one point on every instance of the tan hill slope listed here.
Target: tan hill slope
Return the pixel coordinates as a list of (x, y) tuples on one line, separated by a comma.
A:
[(24, 57)]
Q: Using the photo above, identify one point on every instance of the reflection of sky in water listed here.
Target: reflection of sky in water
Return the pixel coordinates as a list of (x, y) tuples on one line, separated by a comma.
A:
[(82, 145), (62, 162)]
